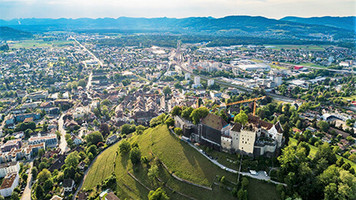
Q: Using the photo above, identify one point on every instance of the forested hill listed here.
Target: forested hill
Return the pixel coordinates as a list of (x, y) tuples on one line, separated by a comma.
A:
[(226, 26), (7, 33), (348, 23)]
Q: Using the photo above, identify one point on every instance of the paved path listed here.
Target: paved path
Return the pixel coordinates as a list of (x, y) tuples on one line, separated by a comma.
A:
[(63, 143), (27, 192)]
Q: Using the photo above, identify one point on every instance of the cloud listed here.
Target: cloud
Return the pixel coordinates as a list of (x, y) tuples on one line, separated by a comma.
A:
[(173, 8)]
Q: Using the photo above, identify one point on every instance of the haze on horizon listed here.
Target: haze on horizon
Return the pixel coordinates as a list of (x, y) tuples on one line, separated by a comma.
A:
[(10, 9)]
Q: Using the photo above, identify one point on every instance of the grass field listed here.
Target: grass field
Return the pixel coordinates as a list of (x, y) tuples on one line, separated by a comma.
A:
[(179, 157), (37, 43), (314, 149)]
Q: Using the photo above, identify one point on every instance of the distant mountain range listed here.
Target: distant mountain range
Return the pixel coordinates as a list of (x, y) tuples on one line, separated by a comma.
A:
[(286, 28), (7, 33), (348, 23)]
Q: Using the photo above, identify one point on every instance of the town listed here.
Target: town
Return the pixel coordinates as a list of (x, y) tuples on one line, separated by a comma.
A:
[(67, 101)]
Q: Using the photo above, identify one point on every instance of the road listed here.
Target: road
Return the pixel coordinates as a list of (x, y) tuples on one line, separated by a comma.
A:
[(27, 192), (63, 143), (94, 57)]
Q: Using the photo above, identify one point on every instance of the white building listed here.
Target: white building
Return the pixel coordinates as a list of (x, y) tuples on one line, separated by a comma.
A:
[(8, 185), (68, 185), (8, 168), (247, 141), (187, 76), (197, 80), (211, 82)]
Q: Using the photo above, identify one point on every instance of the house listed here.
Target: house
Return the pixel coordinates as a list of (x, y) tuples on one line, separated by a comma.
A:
[(55, 197), (111, 196), (112, 139), (76, 140), (68, 185), (210, 130), (50, 140), (187, 127), (10, 182), (81, 165), (8, 168), (11, 144)]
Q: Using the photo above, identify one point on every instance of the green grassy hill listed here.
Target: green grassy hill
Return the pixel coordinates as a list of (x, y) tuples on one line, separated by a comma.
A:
[(180, 158)]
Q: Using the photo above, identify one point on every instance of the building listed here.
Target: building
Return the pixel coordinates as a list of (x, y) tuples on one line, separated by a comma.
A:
[(197, 80), (10, 182), (256, 138), (247, 141), (187, 127), (55, 197), (111, 196), (112, 139), (50, 140), (211, 82), (210, 130), (68, 185), (187, 76), (8, 168), (10, 145)]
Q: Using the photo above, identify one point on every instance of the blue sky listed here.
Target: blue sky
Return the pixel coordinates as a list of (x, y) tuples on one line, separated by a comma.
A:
[(10, 9)]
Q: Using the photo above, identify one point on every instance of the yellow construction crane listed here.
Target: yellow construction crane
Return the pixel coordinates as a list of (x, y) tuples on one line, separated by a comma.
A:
[(245, 101)]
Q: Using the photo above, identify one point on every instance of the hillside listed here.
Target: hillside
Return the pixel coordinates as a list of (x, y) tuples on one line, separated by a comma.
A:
[(226, 26), (181, 159), (348, 23), (7, 33)]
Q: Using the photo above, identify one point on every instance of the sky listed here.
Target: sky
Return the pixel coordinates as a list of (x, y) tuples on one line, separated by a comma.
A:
[(10, 9)]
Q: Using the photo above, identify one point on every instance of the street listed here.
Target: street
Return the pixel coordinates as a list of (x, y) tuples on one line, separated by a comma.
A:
[(27, 192)]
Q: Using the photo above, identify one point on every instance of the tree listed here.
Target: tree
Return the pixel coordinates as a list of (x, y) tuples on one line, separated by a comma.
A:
[(82, 83), (135, 155), (44, 175), (199, 113), (167, 90), (323, 125), (169, 122), (34, 172), (72, 159), (48, 185), (127, 129), (92, 149), (104, 129), (241, 118), (325, 151), (178, 131), (153, 172), (187, 112), (140, 129), (177, 110), (39, 192), (94, 138), (244, 182), (158, 194), (15, 196), (124, 146)]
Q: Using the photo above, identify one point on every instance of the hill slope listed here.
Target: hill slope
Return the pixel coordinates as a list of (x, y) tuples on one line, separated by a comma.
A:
[(179, 157), (7, 33), (226, 26), (348, 23)]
